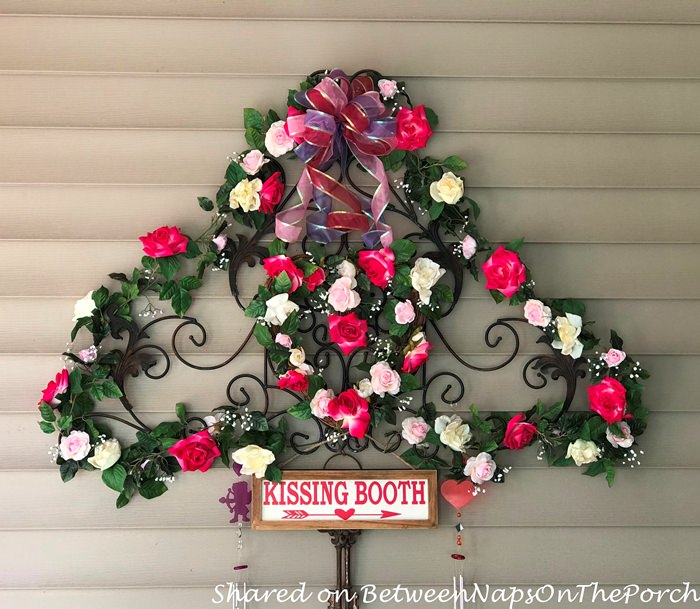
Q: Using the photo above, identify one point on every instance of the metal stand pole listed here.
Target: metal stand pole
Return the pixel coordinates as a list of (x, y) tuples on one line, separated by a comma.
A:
[(343, 597)]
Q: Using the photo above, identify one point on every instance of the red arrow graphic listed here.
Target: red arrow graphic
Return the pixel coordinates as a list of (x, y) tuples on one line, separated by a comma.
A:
[(346, 514)]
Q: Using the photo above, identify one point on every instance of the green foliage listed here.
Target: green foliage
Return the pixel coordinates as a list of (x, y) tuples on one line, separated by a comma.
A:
[(114, 477), (302, 410), (454, 164)]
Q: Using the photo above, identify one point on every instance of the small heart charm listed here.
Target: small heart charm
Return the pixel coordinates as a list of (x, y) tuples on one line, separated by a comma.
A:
[(457, 494), (344, 514)]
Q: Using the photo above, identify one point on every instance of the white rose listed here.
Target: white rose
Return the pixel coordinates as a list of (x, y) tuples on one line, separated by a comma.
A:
[(106, 454), (277, 141), (414, 430), (76, 446), (253, 459), (583, 451), (305, 369), (480, 468), (624, 441), (84, 307), (246, 195), (448, 189), (297, 357), (278, 309), (347, 269), (341, 296), (320, 401), (384, 379), (568, 330), (454, 432), (364, 388), (424, 275), (213, 423)]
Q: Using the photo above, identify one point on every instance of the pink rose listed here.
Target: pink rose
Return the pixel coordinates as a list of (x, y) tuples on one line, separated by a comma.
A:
[(219, 241), (276, 265), (614, 357), (353, 410), (624, 441), (378, 265), (271, 193), (412, 128), (284, 339), (252, 162), (320, 401), (196, 452), (164, 241), (55, 388), (347, 331), (76, 446), (315, 279), (468, 247), (415, 358), (608, 399), (537, 314), (341, 296), (415, 429), (296, 380), (88, 355), (387, 88), (504, 272), (480, 468), (404, 312), (518, 433), (277, 139), (384, 380)]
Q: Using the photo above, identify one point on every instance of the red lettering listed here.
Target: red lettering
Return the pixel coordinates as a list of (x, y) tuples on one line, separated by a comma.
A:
[(341, 493), (418, 491), (292, 493), (375, 492), (404, 487), (305, 493), (269, 493), (390, 488), (360, 492)]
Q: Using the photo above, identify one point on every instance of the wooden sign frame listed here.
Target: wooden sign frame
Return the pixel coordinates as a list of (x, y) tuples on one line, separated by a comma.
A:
[(430, 476)]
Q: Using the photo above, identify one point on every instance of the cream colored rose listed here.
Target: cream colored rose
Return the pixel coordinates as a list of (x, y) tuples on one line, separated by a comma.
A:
[(364, 388), (583, 451), (424, 275), (297, 357), (347, 269), (453, 432), (106, 454), (246, 195), (568, 330), (278, 309), (448, 189), (253, 459), (84, 307)]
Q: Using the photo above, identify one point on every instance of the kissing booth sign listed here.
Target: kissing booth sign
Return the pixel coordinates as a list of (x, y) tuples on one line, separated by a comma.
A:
[(364, 258)]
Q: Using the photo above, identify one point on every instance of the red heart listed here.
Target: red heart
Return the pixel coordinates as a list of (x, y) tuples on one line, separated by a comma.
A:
[(457, 494), (345, 514)]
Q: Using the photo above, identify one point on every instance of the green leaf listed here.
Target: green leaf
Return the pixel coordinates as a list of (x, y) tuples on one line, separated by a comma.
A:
[(273, 473), (594, 469), (291, 324), (263, 335), (100, 297), (409, 382), (114, 477), (192, 249), (615, 340), (82, 322), (515, 245), (302, 410), (282, 283), (111, 389), (76, 382), (489, 446), (169, 266), (553, 411), (151, 489), (64, 423), (316, 382), (122, 500), (609, 472), (168, 290), (180, 412), (46, 426), (394, 160), (433, 437), (68, 470), (454, 163), (207, 205), (181, 302), (167, 429), (252, 119), (256, 308), (397, 329), (190, 282), (148, 262), (277, 247), (272, 117), (403, 250), (47, 413), (432, 117), (234, 174), (255, 139)]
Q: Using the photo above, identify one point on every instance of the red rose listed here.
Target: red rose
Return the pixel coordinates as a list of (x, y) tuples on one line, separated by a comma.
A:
[(54, 389), (416, 357), (271, 193), (353, 409), (348, 331), (294, 127), (609, 399), (412, 129), (294, 380), (196, 452), (164, 241), (504, 272), (315, 279), (378, 264), (276, 265), (518, 434)]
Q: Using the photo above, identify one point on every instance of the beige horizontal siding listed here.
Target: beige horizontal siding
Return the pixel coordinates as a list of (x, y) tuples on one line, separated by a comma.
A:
[(154, 156), (679, 11), (185, 46), (501, 104)]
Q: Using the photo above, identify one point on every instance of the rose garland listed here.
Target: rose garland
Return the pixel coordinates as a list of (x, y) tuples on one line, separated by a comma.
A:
[(376, 301)]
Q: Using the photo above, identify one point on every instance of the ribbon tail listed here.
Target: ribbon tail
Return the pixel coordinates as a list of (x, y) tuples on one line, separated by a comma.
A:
[(290, 222)]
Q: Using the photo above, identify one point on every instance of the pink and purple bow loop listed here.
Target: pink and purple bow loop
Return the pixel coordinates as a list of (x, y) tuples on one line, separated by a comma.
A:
[(341, 117)]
